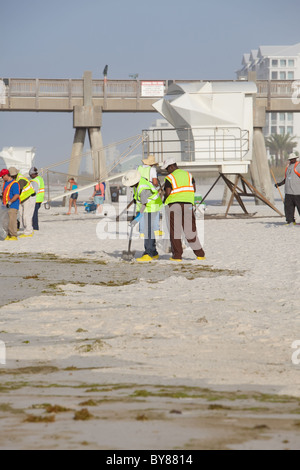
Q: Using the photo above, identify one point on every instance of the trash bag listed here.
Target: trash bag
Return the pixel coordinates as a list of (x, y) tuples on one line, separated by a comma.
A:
[(3, 222)]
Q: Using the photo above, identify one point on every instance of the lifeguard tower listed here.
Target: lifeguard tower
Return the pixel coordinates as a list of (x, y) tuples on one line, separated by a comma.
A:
[(212, 130)]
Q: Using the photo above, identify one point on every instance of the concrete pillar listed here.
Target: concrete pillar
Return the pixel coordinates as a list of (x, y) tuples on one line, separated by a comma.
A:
[(77, 151), (98, 156), (259, 168)]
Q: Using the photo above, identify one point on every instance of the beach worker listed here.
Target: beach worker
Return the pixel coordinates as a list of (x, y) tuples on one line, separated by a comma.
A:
[(99, 196), (292, 188), (148, 171), (72, 202), (149, 201), (39, 187), (11, 200), (179, 198), (27, 201)]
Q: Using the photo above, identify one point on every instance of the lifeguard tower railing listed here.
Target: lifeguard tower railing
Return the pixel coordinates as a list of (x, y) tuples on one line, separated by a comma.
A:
[(201, 145)]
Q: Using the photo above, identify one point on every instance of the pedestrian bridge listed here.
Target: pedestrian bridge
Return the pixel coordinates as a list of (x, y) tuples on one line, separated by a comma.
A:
[(49, 95)]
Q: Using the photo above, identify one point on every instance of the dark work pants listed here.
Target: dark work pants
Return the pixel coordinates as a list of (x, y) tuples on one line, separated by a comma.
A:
[(182, 219), (149, 227), (291, 202), (35, 218)]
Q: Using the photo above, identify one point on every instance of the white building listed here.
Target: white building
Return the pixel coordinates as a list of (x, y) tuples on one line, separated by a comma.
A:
[(21, 158), (275, 63)]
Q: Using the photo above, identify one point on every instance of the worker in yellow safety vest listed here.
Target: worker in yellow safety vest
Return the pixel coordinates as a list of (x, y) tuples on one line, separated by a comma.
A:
[(148, 171), (27, 201), (179, 198), (150, 203), (39, 188)]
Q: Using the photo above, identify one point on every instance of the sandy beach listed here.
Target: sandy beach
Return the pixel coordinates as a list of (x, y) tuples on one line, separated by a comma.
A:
[(104, 354)]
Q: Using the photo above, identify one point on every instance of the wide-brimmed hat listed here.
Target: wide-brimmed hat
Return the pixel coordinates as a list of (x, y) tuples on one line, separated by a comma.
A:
[(13, 171), (131, 178), (150, 160)]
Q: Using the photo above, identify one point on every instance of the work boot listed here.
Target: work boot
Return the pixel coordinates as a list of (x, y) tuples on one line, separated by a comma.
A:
[(145, 258), (26, 236)]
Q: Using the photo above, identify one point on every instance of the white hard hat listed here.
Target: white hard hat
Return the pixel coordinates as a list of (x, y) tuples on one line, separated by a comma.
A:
[(292, 156), (168, 162), (131, 178)]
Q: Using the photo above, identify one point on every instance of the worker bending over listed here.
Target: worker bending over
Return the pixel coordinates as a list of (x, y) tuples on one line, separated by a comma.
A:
[(180, 198), (149, 203)]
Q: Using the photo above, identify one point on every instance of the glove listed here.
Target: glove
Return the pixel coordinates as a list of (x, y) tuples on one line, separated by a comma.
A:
[(8, 204), (136, 220)]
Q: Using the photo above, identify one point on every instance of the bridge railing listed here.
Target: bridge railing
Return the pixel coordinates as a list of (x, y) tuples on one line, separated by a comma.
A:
[(69, 88), (275, 88)]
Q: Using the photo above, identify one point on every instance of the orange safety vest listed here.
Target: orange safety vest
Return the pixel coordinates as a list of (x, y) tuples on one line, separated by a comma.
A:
[(295, 169), (7, 191)]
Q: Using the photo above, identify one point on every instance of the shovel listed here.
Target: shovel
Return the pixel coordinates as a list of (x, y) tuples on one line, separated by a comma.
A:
[(128, 255)]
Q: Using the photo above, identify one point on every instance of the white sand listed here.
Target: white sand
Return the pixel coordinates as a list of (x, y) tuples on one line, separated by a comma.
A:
[(227, 331)]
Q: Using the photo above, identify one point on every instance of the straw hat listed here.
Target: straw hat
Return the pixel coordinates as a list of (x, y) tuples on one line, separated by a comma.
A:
[(131, 178), (150, 160), (13, 171)]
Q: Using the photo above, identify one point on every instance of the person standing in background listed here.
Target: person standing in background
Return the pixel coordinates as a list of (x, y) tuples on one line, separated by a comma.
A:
[(27, 201), (98, 195), (292, 189), (11, 200), (39, 187), (72, 185)]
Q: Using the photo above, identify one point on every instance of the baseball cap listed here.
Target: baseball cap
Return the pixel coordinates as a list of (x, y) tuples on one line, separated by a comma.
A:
[(33, 171), (168, 162), (4, 172)]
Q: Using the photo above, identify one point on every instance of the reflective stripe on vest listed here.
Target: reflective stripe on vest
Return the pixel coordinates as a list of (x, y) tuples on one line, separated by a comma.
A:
[(7, 191), (154, 202), (295, 169), (27, 190), (41, 192), (182, 187)]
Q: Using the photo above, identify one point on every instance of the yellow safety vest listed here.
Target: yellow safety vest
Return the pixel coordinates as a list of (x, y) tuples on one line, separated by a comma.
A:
[(41, 192), (182, 187), (27, 190), (154, 202)]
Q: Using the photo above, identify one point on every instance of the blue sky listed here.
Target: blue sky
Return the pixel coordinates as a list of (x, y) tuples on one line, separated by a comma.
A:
[(158, 39)]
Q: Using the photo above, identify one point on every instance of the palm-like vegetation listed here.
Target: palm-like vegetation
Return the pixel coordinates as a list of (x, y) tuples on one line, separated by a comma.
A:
[(280, 145)]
